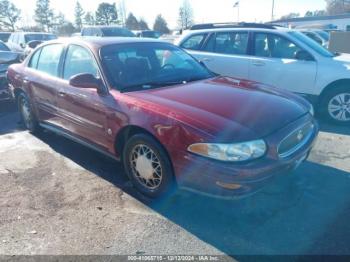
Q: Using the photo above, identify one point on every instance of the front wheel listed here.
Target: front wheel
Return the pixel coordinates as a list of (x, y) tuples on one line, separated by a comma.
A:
[(148, 166), (336, 106)]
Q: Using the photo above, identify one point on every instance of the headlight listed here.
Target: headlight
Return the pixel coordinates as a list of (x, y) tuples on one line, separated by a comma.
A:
[(230, 152)]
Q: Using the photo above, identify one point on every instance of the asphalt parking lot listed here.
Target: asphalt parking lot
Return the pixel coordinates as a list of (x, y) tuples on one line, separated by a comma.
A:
[(58, 197)]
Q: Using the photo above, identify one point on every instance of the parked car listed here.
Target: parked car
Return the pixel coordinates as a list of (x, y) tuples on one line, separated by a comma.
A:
[(279, 57), (148, 34), (4, 36), (316, 37), (106, 31), (164, 115), (19, 41), (7, 57)]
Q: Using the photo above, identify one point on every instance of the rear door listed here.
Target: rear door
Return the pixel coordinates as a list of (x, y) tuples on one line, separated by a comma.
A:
[(83, 112), (41, 79), (226, 53), (275, 63)]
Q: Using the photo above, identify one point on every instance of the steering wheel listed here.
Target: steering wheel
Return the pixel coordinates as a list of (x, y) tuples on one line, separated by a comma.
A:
[(168, 65)]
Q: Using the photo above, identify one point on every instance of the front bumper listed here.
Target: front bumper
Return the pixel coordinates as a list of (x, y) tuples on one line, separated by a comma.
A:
[(230, 180)]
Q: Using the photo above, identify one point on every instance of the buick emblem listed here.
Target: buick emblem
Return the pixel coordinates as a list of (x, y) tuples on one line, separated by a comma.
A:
[(300, 135)]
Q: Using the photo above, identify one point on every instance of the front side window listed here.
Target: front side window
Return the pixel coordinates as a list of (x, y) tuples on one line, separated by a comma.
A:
[(271, 45), (50, 58), (311, 44), (149, 65), (79, 61), (230, 43), (194, 42)]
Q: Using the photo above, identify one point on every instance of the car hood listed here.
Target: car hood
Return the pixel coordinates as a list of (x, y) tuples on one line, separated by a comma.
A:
[(228, 109), (342, 58)]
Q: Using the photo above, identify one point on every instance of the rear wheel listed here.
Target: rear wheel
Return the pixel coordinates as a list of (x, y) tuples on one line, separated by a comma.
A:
[(336, 105), (28, 118), (148, 166)]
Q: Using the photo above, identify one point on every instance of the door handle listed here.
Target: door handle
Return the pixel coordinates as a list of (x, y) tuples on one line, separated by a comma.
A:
[(25, 80), (259, 63)]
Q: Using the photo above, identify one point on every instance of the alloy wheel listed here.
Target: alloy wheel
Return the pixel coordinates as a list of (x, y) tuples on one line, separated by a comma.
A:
[(339, 107), (26, 113)]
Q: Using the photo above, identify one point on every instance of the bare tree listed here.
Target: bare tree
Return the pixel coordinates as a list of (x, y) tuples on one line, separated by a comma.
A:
[(336, 7), (185, 15), (9, 15)]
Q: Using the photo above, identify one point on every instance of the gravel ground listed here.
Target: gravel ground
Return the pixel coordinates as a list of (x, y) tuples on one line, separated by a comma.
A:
[(58, 197)]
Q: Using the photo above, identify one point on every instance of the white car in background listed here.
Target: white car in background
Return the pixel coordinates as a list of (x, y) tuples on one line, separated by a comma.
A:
[(276, 56)]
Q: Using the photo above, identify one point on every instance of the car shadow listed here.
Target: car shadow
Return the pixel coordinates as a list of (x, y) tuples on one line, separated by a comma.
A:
[(305, 212), (335, 129), (9, 118)]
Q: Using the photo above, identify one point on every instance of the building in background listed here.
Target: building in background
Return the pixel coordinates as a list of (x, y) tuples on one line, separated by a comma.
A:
[(334, 22)]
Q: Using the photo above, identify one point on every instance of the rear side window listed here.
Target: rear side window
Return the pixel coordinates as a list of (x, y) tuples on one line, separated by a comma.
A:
[(50, 58), (231, 43), (79, 61), (34, 60), (194, 42)]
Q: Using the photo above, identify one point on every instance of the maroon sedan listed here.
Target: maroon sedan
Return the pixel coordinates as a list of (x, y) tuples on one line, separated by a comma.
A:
[(163, 114)]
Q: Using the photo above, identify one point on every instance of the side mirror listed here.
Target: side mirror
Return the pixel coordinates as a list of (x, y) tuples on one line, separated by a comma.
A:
[(85, 81), (303, 55), (33, 44), (22, 45)]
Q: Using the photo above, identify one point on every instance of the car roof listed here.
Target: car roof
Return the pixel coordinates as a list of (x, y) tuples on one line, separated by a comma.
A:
[(33, 33), (98, 42)]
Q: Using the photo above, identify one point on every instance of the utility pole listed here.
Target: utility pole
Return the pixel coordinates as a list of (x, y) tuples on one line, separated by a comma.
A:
[(273, 11)]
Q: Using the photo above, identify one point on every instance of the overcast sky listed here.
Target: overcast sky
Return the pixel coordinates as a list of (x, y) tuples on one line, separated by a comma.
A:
[(204, 10)]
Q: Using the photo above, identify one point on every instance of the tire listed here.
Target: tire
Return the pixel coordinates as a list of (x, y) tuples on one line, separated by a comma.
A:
[(152, 178), (28, 118), (339, 98)]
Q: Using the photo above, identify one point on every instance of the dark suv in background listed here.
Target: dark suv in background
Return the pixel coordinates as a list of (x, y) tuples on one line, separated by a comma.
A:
[(106, 31)]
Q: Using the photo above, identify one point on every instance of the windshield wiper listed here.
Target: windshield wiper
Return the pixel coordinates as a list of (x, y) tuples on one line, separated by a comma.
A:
[(150, 85)]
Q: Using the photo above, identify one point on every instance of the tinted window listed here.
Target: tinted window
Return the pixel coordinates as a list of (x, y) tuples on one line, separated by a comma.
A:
[(150, 65), (79, 61), (233, 43), (39, 37), (3, 47), (270, 45), (34, 60), (50, 58), (194, 42), (115, 31), (4, 37)]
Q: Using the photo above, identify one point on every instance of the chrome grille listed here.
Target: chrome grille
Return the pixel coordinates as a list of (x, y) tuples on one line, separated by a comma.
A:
[(295, 140)]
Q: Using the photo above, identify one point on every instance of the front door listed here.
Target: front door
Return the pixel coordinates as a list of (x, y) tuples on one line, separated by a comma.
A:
[(275, 63), (83, 112)]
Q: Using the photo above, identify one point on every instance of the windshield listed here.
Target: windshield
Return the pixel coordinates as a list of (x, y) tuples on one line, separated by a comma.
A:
[(151, 34), (312, 44), (3, 47), (39, 37), (150, 65), (117, 32), (4, 37)]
